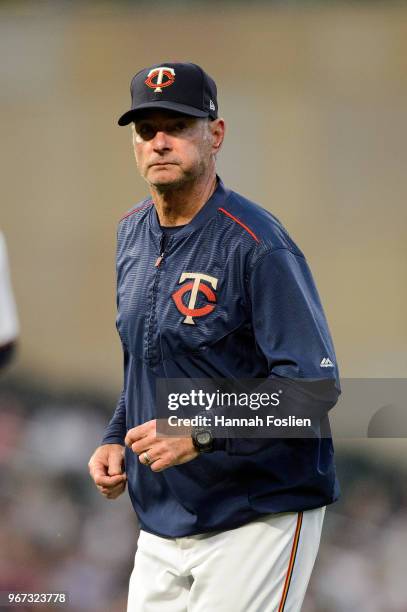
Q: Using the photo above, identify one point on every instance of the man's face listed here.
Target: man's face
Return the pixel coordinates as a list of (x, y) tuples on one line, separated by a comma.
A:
[(172, 149)]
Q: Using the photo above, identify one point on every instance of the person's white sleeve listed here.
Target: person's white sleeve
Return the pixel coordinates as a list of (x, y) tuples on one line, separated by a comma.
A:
[(8, 313)]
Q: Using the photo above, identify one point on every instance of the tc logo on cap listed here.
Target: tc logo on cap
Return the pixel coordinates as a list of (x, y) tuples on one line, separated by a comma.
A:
[(158, 74)]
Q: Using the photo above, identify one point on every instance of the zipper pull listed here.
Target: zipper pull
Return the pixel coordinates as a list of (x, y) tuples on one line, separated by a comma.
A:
[(162, 249), (159, 260)]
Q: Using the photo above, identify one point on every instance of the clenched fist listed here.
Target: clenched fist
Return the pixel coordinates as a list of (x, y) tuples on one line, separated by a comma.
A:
[(106, 467), (159, 453)]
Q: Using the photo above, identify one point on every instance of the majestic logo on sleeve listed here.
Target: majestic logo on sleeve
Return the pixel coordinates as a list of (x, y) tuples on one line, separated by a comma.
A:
[(195, 287), (161, 77)]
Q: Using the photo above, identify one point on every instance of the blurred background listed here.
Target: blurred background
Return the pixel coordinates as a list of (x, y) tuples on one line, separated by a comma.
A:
[(315, 96)]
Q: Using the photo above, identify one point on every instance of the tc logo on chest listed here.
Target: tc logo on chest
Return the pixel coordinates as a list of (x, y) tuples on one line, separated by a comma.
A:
[(195, 286)]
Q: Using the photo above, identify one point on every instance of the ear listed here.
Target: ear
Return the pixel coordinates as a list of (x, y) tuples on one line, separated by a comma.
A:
[(133, 137), (217, 127)]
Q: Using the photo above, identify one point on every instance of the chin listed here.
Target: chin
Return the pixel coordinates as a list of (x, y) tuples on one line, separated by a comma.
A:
[(165, 178)]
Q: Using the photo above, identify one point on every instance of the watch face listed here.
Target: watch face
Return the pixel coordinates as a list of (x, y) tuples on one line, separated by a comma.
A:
[(204, 437)]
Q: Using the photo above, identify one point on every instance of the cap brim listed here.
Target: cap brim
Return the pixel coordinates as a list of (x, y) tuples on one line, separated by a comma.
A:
[(174, 106)]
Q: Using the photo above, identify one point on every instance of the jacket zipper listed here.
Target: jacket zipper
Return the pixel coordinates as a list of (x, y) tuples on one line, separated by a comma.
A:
[(159, 260), (161, 251), (154, 299)]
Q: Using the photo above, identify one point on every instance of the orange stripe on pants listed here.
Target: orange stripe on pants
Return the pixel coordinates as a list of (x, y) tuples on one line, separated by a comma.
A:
[(291, 563)]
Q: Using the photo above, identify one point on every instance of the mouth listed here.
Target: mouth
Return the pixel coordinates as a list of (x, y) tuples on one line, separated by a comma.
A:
[(162, 164)]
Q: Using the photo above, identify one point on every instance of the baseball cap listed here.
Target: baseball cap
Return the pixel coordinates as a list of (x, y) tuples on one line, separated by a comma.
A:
[(182, 87)]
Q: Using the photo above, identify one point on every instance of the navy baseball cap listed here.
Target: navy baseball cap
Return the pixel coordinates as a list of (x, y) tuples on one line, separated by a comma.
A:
[(184, 88)]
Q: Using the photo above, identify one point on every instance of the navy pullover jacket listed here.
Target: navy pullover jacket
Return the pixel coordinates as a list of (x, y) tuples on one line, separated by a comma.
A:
[(257, 314)]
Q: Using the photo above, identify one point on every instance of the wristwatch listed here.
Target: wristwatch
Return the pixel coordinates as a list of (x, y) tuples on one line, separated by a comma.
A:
[(202, 439)]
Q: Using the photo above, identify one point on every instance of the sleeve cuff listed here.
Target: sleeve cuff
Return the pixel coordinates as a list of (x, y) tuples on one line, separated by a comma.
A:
[(112, 440), (219, 444)]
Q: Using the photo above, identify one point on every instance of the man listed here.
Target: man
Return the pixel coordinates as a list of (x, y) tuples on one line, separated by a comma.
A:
[(210, 285), (8, 313)]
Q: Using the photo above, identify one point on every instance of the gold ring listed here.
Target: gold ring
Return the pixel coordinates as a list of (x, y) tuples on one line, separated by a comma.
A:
[(147, 458)]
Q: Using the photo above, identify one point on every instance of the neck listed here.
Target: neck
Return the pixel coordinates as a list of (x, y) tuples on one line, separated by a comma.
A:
[(179, 206)]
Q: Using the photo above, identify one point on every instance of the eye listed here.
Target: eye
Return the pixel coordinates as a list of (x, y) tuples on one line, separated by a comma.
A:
[(146, 131), (178, 127)]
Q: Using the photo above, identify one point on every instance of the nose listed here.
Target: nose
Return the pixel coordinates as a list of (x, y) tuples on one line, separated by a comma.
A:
[(161, 142)]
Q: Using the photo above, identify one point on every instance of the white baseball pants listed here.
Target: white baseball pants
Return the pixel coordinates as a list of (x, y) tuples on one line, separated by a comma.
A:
[(263, 566)]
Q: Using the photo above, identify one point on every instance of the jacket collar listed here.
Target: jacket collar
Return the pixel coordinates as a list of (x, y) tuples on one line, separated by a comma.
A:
[(207, 211)]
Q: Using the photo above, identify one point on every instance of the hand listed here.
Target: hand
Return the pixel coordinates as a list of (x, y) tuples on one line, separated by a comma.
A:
[(163, 452), (106, 467)]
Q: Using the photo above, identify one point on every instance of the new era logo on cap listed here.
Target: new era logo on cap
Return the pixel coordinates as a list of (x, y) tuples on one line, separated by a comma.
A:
[(182, 87)]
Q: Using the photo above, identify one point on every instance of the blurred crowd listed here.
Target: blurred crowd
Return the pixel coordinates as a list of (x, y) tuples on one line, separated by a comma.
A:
[(58, 534), (362, 559)]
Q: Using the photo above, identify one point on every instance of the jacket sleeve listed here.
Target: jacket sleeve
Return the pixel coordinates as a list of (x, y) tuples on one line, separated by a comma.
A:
[(292, 335), (289, 324), (115, 431)]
